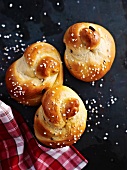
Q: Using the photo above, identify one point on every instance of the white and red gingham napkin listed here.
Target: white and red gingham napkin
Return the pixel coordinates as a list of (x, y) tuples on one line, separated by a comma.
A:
[(19, 150)]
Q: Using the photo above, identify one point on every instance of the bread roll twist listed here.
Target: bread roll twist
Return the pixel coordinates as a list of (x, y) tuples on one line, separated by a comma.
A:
[(90, 51), (61, 119), (37, 70)]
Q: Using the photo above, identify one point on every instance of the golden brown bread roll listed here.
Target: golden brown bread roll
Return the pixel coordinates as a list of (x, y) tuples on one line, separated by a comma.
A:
[(90, 51), (61, 119), (38, 69)]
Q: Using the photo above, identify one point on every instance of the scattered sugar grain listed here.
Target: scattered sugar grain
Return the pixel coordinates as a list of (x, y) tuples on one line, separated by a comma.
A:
[(44, 40), (86, 101), (106, 134), (101, 85), (100, 106), (117, 143), (90, 118), (115, 99), (117, 126), (17, 26), (105, 138), (11, 5), (21, 35), (93, 83), (96, 116), (9, 58), (3, 25), (89, 106), (91, 130), (31, 18), (96, 111)]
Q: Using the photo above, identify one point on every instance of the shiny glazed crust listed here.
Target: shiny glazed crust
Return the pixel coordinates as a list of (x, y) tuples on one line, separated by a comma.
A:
[(37, 70), (61, 119), (90, 51)]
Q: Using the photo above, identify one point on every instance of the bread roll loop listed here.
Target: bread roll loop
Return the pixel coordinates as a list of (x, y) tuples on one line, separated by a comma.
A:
[(37, 70), (61, 119), (90, 51)]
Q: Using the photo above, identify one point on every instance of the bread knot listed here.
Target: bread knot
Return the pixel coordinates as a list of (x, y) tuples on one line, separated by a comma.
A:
[(47, 67), (90, 37), (39, 69), (61, 119), (90, 51), (58, 107), (71, 108)]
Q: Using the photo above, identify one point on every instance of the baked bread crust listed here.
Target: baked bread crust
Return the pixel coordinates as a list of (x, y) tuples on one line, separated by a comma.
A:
[(90, 51), (61, 119), (38, 69)]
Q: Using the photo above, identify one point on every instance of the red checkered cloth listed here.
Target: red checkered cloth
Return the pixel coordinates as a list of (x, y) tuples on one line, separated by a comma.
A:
[(19, 150)]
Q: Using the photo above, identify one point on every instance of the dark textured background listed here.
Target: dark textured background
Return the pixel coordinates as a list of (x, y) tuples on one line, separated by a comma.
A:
[(23, 22)]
